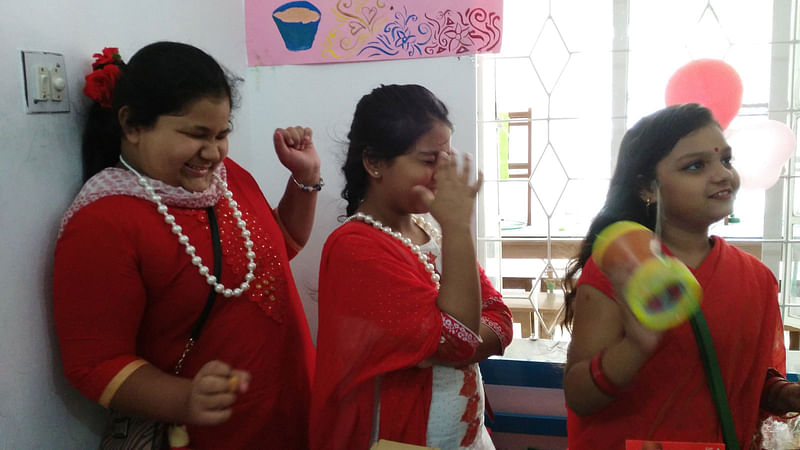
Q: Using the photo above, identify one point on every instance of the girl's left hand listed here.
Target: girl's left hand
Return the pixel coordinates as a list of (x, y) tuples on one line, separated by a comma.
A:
[(454, 200), (295, 149)]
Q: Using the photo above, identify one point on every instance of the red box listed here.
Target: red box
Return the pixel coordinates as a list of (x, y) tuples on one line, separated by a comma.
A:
[(671, 445)]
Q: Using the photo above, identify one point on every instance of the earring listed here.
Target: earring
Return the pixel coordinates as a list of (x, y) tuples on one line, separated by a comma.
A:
[(376, 173), (647, 202)]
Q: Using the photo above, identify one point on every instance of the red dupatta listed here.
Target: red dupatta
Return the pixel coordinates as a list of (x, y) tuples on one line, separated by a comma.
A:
[(378, 320), (669, 398)]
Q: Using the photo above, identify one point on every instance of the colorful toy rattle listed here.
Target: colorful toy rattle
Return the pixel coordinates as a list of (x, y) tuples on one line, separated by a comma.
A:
[(660, 290)]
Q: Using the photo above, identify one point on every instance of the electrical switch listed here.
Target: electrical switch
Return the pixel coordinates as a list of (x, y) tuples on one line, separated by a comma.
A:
[(57, 84), (46, 87), (42, 85)]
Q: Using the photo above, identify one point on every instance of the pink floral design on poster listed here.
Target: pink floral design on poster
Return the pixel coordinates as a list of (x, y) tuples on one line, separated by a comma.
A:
[(331, 31)]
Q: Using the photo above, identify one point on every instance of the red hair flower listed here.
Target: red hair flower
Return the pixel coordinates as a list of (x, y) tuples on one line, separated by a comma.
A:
[(100, 84), (110, 55), (106, 70)]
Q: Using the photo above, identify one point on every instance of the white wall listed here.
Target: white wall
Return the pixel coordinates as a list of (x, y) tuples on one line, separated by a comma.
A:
[(40, 168)]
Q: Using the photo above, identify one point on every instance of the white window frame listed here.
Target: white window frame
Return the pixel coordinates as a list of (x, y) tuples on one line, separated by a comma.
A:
[(777, 240)]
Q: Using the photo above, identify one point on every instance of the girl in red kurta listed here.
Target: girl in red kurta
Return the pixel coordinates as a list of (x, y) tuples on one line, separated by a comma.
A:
[(405, 312), (134, 259), (623, 381)]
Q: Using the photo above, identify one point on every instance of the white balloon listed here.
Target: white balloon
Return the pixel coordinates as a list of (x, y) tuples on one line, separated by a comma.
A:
[(760, 150)]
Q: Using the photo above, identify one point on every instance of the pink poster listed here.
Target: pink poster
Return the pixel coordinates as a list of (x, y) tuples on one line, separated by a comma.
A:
[(334, 31)]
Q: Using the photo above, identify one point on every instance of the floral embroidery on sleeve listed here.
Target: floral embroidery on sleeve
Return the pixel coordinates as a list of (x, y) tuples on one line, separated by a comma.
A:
[(457, 342)]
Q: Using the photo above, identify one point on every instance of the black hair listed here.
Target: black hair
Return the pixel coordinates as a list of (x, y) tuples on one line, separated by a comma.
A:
[(644, 145), (386, 124), (161, 78)]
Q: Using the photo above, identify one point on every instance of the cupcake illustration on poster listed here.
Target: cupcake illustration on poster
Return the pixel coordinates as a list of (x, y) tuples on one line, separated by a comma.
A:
[(297, 23)]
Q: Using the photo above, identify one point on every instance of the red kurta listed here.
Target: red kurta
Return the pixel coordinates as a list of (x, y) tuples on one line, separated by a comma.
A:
[(378, 318), (669, 399), (125, 289)]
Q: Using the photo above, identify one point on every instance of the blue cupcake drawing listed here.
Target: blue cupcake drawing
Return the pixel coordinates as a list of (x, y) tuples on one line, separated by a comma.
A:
[(297, 22)]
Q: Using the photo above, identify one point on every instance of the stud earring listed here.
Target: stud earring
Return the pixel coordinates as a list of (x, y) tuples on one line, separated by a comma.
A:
[(647, 201), (376, 173)]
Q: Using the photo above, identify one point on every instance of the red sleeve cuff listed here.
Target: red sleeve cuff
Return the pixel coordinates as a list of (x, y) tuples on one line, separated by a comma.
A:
[(457, 342), (504, 337), (497, 317), (95, 382)]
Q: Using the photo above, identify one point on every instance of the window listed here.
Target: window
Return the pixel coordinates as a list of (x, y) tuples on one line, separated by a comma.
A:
[(553, 105)]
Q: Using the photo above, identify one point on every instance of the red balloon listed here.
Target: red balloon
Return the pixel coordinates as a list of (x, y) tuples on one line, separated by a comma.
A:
[(712, 83)]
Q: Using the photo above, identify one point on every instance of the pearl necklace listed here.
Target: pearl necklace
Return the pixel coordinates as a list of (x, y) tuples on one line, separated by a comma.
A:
[(428, 228), (190, 250)]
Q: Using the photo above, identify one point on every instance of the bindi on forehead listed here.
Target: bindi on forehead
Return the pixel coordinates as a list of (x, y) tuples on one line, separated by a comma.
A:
[(716, 149)]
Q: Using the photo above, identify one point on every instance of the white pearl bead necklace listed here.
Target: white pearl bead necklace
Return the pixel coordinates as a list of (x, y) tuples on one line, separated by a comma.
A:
[(423, 258), (190, 250)]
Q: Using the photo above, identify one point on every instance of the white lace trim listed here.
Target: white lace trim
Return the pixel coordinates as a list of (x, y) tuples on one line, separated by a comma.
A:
[(115, 181), (455, 328)]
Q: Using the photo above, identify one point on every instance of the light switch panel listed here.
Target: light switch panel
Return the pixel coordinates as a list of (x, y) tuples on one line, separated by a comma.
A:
[(46, 88)]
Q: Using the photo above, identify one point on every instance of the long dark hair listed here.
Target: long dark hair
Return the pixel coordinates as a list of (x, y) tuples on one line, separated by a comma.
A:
[(385, 125), (642, 148), (161, 78)]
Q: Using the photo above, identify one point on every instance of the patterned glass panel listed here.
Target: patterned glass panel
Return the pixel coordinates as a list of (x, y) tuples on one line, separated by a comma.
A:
[(549, 56), (517, 87), (548, 180)]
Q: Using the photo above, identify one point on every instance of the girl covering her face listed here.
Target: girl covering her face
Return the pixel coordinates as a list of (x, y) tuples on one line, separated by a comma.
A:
[(405, 310)]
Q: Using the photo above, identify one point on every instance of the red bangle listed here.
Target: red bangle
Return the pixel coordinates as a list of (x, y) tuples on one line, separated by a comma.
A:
[(600, 378)]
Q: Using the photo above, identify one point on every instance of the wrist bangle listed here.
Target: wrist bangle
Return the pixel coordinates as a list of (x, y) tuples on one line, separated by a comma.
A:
[(600, 379), (316, 187)]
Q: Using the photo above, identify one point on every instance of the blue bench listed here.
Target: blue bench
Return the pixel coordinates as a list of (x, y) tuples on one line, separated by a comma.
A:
[(508, 372)]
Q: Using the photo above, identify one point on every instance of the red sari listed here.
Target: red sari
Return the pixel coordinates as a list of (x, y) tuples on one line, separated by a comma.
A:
[(669, 399), (378, 320)]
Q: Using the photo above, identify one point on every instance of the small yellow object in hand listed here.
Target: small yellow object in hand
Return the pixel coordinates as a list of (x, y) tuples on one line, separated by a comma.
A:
[(233, 383), (178, 436)]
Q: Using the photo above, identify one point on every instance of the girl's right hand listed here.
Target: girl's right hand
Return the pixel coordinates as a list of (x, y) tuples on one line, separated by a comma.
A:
[(645, 339), (454, 200), (214, 391)]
